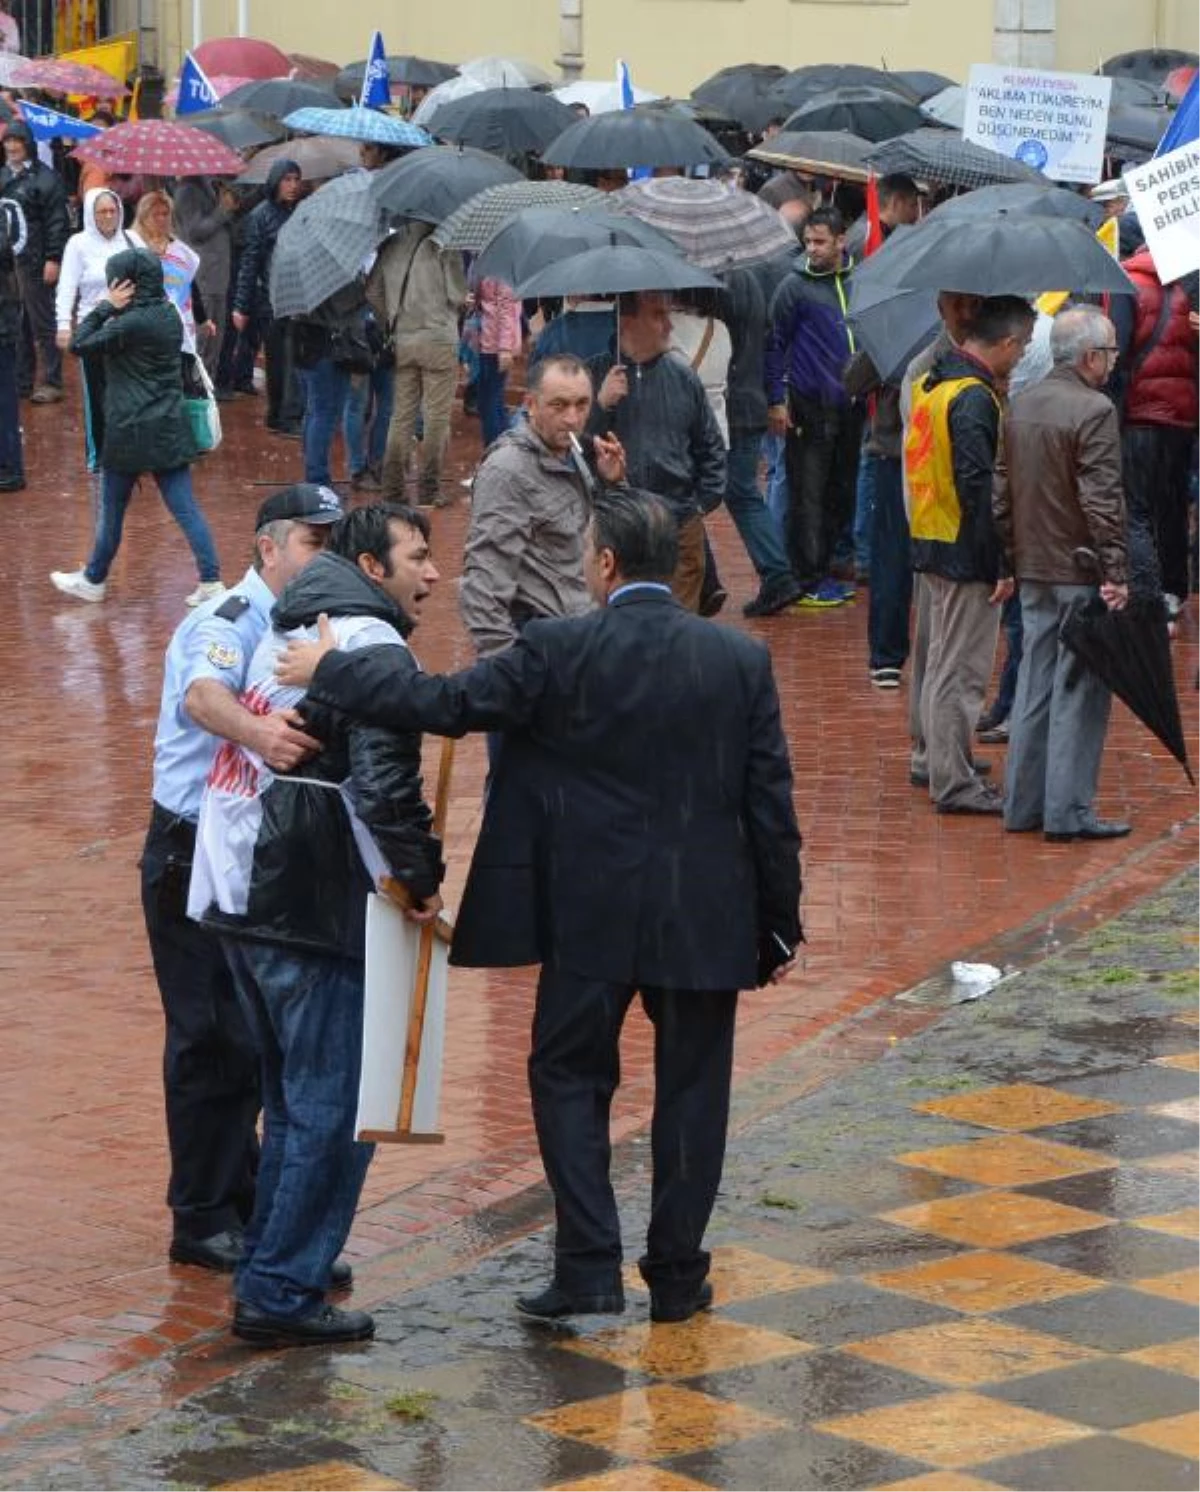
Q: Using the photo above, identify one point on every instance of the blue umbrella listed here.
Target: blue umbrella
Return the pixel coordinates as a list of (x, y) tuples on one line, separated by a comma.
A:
[(367, 125)]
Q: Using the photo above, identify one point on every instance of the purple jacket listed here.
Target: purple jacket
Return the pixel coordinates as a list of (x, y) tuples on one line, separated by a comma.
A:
[(809, 343)]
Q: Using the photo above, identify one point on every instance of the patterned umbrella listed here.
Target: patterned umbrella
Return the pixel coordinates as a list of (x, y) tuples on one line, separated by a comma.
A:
[(713, 227), (318, 159), (486, 213), (430, 184), (506, 121), (368, 126), (937, 156), (160, 147), (11, 64), (280, 96), (56, 76), (634, 137), (322, 245)]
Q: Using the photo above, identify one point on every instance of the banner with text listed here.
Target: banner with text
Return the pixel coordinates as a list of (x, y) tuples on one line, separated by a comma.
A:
[(1054, 122), (1165, 194)]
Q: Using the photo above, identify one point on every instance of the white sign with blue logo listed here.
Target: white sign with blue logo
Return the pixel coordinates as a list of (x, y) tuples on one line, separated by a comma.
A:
[(1054, 122), (1165, 194)]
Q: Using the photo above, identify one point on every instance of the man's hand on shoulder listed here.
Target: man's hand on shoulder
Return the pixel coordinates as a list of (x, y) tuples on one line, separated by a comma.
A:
[(298, 664)]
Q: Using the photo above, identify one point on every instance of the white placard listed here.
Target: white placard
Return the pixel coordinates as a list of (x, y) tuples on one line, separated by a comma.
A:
[(1165, 194), (1054, 122), (392, 946)]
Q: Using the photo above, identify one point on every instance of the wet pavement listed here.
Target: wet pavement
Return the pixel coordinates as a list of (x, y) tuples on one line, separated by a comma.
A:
[(92, 1314)]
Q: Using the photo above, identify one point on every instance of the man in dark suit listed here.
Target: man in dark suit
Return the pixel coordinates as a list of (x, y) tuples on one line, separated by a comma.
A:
[(639, 836)]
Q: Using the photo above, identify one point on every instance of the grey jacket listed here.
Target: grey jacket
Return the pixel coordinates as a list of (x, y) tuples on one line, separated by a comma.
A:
[(416, 289), (202, 222), (524, 551)]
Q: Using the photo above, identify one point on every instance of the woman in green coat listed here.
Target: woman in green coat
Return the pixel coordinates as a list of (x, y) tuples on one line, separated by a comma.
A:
[(138, 332)]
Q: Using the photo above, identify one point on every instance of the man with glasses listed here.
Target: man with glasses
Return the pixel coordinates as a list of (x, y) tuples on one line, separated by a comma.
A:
[(1060, 509)]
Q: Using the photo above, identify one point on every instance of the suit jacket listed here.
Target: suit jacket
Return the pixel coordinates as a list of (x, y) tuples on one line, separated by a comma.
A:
[(639, 827)]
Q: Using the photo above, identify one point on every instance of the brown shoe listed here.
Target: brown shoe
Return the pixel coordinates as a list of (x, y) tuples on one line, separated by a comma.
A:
[(46, 393)]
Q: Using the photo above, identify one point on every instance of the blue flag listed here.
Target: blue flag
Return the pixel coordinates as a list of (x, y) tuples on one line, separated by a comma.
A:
[(1185, 126), (377, 87), (195, 91), (625, 84), (49, 124)]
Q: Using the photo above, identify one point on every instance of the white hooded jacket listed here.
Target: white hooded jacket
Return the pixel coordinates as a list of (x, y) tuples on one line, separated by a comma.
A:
[(81, 278)]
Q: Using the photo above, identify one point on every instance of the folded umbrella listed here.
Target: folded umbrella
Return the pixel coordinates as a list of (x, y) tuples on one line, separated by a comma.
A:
[(711, 225), (322, 246), (57, 75), (403, 72), (616, 271), (367, 126), (280, 96), (938, 157), (1130, 650), (821, 152), (319, 159), (429, 184), (240, 129), (874, 113), (542, 237), (506, 121), (159, 147), (641, 136), (480, 217)]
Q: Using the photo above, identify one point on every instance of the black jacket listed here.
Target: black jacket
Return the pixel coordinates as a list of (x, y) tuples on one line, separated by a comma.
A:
[(673, 445), (252, 292), (10, 290), (742, 306), (639, 827), (42, 194), (145, 427), (974, 420), (308, 885)]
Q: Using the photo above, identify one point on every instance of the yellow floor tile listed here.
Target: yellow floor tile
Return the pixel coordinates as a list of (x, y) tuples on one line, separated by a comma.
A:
[(1189, 1018), (1180, 1435), (1187, 1109), (1180, 1163), (1017, 1106), (649, 1424), (634, 1479), (1184, 1061), (703, 1345), (995, 1219), (1008, 1160), (985, 1281), (952, 1430), (965, 1354), (325, 1476), (1183, 1224), (1172, 1357), (742, 1274), (1183, 1285), (942, 1481)]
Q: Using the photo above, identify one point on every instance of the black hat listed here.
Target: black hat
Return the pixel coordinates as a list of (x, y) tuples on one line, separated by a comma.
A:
[(304, 502)]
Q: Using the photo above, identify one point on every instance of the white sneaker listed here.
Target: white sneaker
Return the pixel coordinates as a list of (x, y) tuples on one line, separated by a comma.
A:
[(75, 583), (205, 591)]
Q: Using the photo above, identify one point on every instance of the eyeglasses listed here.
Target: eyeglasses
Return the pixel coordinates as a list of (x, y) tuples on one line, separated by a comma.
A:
[(1110, 348)]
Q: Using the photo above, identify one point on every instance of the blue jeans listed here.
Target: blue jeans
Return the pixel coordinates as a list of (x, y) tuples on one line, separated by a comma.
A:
[(759, 531), (325, 390), (493, 412), (773, 447), (864, 506), (12, 462), (890, 567), (306, 1011), (1014, 646), (116, 488), (370, 395)]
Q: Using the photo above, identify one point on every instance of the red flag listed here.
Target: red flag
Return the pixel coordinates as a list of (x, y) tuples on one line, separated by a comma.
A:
[(874, 225)]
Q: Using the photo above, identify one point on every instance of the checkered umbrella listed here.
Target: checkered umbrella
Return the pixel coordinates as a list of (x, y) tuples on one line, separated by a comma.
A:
[(368, 126), (322, 245), (487, 212), (938, 157), (159, 147), (53, 75), (713, 227)]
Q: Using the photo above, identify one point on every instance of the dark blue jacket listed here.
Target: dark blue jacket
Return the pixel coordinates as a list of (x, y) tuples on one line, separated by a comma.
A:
[(809, 343)]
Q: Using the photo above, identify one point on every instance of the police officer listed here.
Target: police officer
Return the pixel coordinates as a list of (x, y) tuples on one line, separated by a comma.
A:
[(210, 1065)]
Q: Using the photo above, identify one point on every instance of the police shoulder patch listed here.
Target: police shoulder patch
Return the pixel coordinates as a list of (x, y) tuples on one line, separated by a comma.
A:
[(232, 607), (222, 655)]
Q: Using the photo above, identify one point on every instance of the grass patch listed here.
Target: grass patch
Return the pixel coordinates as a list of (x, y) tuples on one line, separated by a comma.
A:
[(416, 1405), (777, 1199)]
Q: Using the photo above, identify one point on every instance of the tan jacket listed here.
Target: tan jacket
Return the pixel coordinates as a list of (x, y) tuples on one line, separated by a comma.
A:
[(417, 289), (1058, 483)]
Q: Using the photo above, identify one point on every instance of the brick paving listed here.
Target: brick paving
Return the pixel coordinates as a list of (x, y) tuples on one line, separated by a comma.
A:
[(892, 892)]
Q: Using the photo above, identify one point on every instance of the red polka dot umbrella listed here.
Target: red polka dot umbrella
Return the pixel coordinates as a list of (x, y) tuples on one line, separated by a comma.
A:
[(55, 75), (160, 147)]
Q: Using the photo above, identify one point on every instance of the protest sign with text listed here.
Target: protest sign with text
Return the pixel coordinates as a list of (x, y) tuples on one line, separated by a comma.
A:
[(1054, 122), (1165, 194)]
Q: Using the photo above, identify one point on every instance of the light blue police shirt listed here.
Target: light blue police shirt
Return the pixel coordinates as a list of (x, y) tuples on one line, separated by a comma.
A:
[(205, 646)]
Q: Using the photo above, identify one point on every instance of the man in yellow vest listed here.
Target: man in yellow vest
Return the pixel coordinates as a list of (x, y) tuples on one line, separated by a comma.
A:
[(949, 457)]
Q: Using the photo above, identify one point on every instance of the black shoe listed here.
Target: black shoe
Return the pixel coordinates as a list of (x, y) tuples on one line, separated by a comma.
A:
[(673, 1306), (554, 1303), (986, 803), (774, 598), (712, 601), (12, 484), (1097, 829), (322, 1328), (341, 1276), (224, 396), (994, 735), (220, 1251)]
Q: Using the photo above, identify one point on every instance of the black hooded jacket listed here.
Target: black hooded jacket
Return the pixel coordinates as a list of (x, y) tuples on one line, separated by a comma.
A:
[(42, 194), (252, 293)]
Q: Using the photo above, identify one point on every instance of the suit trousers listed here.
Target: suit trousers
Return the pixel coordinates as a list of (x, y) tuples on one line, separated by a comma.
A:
[(574, 1070), (963, 630), (1059, 721), (424, 389)]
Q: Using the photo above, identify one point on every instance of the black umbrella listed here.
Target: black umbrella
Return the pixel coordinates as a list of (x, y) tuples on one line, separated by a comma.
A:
[(1132, 124), (1149, 64), (939, 157), (805, 84), (1133, 92), (872, 113), (923, 85), (1037, 199), (279, 96), (1130, 650), (634, 137), (891, 326), (819, 152), (506, 121), (240, 129), (540, 237), (740, 93), (430, 183), (615, 271), (403, 72)]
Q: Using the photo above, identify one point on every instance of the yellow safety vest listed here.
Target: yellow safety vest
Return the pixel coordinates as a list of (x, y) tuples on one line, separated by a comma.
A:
[(929, 459)]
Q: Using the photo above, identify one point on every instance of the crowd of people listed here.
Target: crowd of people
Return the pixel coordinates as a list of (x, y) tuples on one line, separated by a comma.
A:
[(639, 835)]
